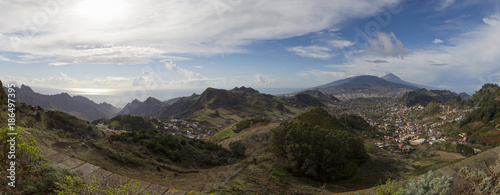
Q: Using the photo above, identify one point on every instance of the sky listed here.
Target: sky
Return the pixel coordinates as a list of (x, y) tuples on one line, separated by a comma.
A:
[(119, 50)]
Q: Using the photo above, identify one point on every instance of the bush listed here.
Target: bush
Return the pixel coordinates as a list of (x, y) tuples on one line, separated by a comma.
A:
[(237, 148), (429, 183), (391, 187), (75, 185), (241, 125)]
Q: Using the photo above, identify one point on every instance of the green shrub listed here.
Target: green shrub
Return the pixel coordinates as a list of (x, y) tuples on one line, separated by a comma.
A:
[(75, 185), (391, 187), (429, 183), (237, 148)]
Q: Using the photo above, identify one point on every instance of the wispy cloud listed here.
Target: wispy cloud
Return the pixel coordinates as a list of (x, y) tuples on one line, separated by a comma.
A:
[(186, 73), (312, 51), (444, 4), (341, 43), (378, 61)]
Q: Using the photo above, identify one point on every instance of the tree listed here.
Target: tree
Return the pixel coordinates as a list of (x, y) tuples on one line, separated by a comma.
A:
[(237, 148)]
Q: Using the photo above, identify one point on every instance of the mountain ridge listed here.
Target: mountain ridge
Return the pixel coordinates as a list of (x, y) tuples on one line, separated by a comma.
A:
[(78, 106)]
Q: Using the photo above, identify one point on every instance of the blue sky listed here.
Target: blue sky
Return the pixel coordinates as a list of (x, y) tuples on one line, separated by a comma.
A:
[(102, 48)]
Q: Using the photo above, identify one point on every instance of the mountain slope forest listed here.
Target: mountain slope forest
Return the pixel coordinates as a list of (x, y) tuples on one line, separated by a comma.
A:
[(318, 145)]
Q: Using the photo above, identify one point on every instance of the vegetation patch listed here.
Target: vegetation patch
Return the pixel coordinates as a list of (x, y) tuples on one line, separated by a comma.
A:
[(318, 146)]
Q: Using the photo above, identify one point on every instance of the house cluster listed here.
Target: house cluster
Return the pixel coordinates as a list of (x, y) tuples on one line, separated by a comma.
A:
[(400, 124), (395, 148), (192, 130)]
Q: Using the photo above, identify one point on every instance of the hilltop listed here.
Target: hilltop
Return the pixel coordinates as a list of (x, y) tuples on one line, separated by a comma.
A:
[(150, 107), (424, 97), (395, 79)]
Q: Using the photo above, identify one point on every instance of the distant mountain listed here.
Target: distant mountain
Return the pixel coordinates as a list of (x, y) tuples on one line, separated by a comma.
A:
[(424, 97), (178, 106), (395, 79), (215, 103), (464, 96), (78, 106), (238, 100), (335, 83), (363, 87), (150, 107)]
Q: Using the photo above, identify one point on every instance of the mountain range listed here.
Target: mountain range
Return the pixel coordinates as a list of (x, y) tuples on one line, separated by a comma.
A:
[(211, 99), (78, 106)]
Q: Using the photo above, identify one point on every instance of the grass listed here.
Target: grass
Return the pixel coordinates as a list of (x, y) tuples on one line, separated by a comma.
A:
[(225, 133)]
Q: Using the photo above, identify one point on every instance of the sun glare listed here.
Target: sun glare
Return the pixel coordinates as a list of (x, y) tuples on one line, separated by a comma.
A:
[(98, 11), (89, 91)]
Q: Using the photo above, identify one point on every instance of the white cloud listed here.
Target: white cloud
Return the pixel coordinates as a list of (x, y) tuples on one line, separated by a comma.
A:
[(312, 51), (264, 80), (341, 43), (186, 73), (148, 80), (150, 29), (388, 45), (492, 20), (198, 67), (437, 41)]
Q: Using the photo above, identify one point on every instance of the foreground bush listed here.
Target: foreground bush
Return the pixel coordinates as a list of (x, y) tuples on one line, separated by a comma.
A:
[(429, 183)]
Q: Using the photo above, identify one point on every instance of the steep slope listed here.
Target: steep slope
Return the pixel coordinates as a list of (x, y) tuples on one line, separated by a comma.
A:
[(150, 107), (178, 106), (481, 125), (424, 96), (216, 98), (78, 106), (223, 107), (366, 86), (464, 96), (130, 107), (335, 83)]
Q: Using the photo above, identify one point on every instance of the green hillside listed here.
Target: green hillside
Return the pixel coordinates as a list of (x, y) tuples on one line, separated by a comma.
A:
[(423, 97), (317, 145), (482, 124), (128, 123)]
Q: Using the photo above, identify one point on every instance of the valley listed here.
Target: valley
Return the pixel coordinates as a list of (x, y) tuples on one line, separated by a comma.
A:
[(243, 142)]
